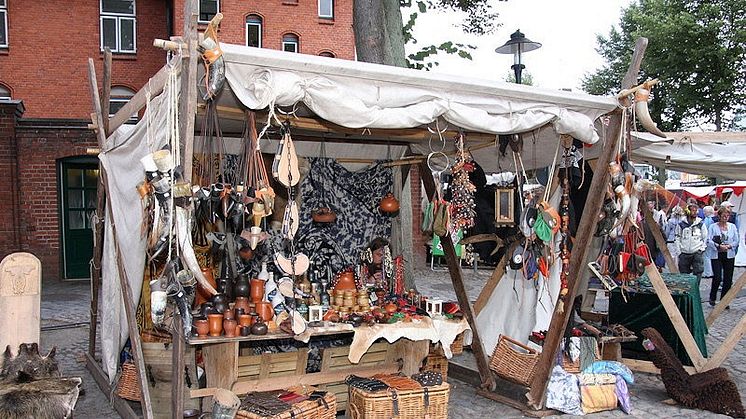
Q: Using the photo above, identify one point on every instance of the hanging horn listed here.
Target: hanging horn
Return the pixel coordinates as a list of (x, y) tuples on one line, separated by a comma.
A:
[(643, 115)]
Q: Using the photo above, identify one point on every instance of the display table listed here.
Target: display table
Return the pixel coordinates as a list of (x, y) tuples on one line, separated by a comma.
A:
[(408, 343), (643, 309)]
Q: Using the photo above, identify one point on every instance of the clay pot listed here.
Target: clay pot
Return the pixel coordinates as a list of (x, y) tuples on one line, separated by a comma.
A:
[(246, 253), (257, 290), (265, 311), (216, 324), (259, 328), (219, 302), (202, 326), (242, 303), (391, 308), (206, 308), (229, 325), (244, 320), (245, 330), (345, 281), (229, 315), (202, 294), (389, 204), (324, 215), (241, 288)]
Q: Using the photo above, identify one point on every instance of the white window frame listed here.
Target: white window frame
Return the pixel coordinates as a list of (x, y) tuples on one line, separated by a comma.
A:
[(123, 100), (118, 18), (199, 11), (331, 3), (295, 42), (260, 24), (3, 89), (4, 11)]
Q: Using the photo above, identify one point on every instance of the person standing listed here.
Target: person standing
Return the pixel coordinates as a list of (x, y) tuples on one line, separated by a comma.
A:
[(669, 232), (722, 245), (691, 239), (707, 221)]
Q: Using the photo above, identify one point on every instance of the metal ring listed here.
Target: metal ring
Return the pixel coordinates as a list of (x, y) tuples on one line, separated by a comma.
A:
[(292, 112), (430, 162), (430, 143)]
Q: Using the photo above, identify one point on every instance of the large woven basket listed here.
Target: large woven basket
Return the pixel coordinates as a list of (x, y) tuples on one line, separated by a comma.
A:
[(457, 347), (436, 361), (309, 409), (127, 386), (512, 364), (411, 403)]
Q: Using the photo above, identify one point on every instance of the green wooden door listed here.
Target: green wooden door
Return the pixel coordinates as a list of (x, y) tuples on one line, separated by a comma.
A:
[(78, 196)]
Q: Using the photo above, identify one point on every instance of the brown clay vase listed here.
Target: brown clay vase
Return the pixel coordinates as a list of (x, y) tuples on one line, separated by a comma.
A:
[(229, 326), (389, 204), (242, 302), (244, 320), (259, 328), (202, 326), (202, 294), (216, 324), (346, 281), (245, 330), (241, 287), (265, 311), (229, 315), (257, 290)]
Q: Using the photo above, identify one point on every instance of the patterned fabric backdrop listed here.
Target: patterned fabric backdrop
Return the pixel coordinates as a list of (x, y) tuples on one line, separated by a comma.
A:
[(354, 196)]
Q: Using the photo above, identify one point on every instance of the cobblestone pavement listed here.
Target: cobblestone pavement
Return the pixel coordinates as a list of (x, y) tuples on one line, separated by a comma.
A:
[(65, 316)]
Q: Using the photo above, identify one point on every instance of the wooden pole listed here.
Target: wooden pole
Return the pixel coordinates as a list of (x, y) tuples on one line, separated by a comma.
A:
[(679, 324), (660, 241), (106, 99), (584, 234), (726, 300), (129, 305), (727, 346)]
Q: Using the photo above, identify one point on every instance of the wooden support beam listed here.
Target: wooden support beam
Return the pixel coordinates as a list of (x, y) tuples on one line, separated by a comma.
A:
[(730, 342), (596, 194), (491, 284), (188, 93), (106, 96), (660, 241), (129, 304), (679, 324), (427, 180), (726, 299), (516, 404), (648, 367), (133, 106), (99, 376)]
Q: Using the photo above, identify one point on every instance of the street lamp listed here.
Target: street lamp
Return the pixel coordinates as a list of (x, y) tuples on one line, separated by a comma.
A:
[(517, 45)]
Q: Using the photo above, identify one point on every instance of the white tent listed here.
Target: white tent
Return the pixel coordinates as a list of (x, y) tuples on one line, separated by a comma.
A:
[(352, 95)]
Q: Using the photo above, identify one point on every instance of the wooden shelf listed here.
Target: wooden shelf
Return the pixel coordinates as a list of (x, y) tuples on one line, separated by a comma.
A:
[(207, 340)]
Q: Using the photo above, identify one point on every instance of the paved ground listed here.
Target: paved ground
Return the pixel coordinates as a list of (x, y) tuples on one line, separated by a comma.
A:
[(65, 314)]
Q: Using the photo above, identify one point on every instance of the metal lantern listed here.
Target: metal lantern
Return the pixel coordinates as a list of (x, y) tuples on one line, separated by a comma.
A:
[(504, 214), (315, 313), (433, 306)]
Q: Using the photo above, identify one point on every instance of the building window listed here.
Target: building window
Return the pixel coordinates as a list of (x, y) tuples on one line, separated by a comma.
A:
[(118, 25), (254, 31), (4, 93), (3, 24), (327, 54), (290, 43), (119, 97), (326, 9), (208, 9)]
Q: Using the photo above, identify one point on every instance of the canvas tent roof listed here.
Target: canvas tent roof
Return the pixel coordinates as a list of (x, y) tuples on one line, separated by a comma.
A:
[(358, 95)]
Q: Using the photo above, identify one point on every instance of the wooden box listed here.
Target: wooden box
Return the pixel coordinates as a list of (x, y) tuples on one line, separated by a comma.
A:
[(256, 367)]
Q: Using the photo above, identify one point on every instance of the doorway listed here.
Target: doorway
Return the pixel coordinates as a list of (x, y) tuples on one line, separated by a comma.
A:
[(78, 186)]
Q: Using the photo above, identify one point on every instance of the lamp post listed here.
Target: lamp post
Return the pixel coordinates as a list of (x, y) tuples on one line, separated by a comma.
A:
[(517, 45)]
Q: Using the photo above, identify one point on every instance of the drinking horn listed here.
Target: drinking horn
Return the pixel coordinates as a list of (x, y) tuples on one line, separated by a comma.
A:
[(187, 251), (643, 115)]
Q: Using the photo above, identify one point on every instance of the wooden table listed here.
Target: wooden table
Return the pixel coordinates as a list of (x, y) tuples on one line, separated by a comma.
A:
[(612, 347)]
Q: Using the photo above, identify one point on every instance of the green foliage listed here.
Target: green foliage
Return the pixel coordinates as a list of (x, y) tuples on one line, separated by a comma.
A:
[(526, 78), (479, 20), (697, 48)]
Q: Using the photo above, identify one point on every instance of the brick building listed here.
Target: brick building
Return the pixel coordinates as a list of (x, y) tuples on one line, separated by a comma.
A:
[(47, 179)]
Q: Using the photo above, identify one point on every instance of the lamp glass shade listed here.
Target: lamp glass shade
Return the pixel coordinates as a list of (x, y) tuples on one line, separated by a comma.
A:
[(517, 44)]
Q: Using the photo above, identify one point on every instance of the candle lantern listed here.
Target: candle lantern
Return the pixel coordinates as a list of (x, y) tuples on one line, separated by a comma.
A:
[(434, 306), (504, 198)]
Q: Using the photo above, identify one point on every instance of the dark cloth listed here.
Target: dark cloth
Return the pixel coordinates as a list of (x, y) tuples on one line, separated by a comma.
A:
[(722, 269), (692, 263)]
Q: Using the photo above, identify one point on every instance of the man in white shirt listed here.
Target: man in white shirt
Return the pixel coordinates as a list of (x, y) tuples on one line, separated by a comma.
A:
[(691, 239)]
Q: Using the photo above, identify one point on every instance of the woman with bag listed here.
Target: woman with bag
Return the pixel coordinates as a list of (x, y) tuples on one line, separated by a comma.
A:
[(722, 245)]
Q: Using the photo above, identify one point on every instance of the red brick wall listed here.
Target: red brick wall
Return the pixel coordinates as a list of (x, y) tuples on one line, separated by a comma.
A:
[(9, 209), (49, 45), (286, 16)]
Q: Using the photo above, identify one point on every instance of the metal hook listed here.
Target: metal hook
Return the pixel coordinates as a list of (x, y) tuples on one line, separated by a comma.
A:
[(292, 111)]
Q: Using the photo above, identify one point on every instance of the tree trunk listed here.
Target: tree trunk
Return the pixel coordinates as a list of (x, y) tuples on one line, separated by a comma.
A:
[(718, 119), (393, 53), (368, 17)]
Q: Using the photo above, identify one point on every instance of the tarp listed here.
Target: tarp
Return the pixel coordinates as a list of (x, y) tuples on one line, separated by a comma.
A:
[(353, 95)]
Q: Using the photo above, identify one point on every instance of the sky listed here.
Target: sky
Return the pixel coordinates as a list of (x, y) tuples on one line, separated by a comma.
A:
[(566, 29)]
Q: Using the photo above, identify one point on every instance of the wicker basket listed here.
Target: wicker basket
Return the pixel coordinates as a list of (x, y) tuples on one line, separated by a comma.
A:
[(309, 409), (457, 347), (127, 386), (511, 364), (436, 361), (411, 403)]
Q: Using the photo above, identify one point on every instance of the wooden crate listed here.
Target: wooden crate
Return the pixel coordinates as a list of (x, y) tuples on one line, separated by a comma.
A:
[(411, 403), (336, 359), (158, 363), (256, 367)]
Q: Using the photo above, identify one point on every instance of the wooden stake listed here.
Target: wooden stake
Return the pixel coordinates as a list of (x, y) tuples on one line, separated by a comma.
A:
[(676, 318), (727, 346), (583, 240), (106, 99), (660, 241), (726, 300), (155, 84), (129, 305)]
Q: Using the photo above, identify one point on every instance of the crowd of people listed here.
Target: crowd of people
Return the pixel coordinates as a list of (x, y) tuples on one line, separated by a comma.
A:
[(703, 240)]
